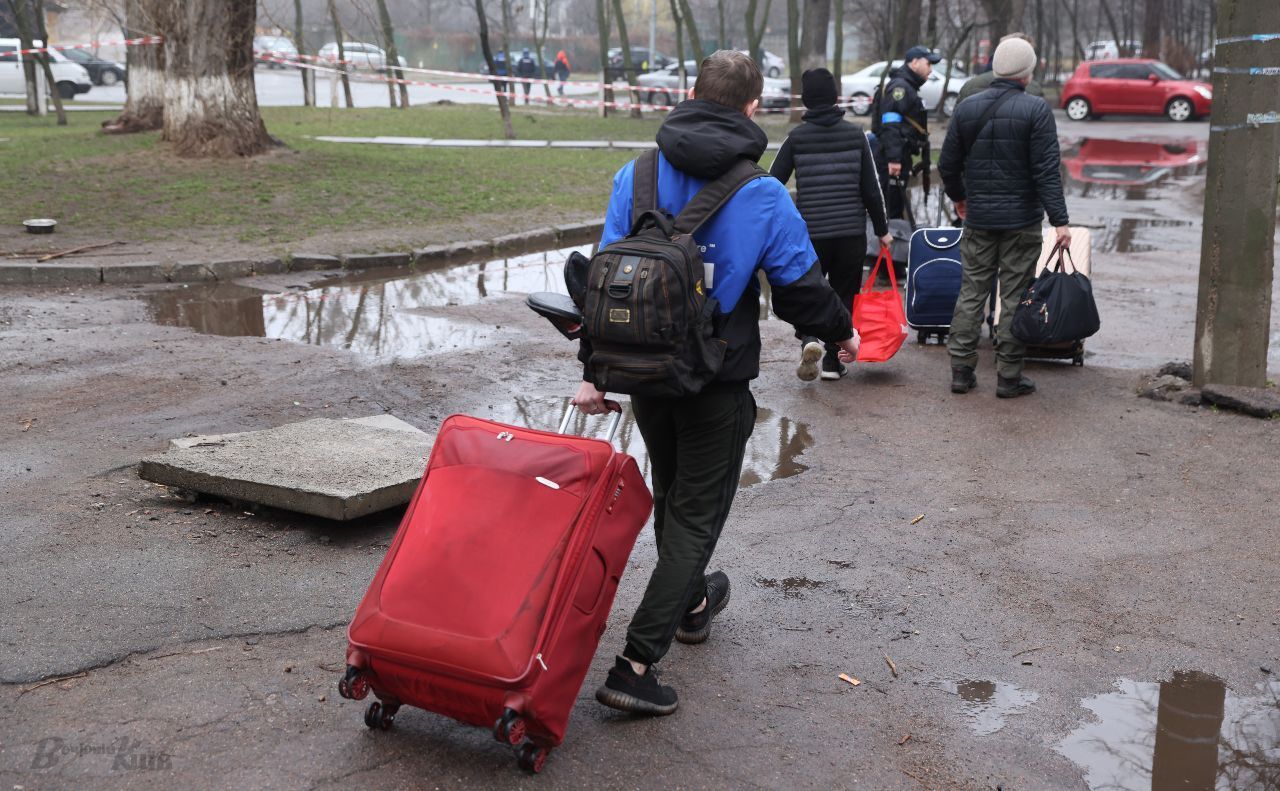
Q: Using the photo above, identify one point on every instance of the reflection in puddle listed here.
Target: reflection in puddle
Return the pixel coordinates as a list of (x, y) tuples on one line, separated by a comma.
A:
[(986, 704), (792, 587), (1187, 733), (366, 313), (773, 452)]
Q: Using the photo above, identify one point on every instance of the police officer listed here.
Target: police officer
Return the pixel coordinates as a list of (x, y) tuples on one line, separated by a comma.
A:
[(525, 67), (902, 125)]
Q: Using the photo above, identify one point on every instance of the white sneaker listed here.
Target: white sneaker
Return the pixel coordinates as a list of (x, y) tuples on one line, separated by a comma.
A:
[(809, 357)]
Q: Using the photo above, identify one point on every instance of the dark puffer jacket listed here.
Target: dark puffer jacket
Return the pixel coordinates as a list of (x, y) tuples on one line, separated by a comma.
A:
[(1009, 173), (836, 182)]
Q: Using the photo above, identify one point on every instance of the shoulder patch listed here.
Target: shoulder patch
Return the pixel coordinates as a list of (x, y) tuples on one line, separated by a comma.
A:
[(898, 93)]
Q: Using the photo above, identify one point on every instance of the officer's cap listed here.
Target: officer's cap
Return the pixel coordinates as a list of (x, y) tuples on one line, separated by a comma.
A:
[(921, 52)]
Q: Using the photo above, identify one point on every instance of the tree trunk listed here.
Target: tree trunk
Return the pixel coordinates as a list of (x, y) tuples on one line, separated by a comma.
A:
[(300, 42), (628, 65), (1152, 32), (1237, 249), (755, 33), (342, 54), (540, 42), (691, 27), (1115, 29), (506, 52), (210, 106), (680, 69), (393, 57), (19, 9), (813, 48), (144, 101), (723, 38), (602, 32), (910, 34), (931, 31), (503, 108), (43, 57), (793, 55)]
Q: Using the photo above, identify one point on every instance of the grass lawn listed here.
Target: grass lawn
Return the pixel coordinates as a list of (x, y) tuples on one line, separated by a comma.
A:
[(131, 188)]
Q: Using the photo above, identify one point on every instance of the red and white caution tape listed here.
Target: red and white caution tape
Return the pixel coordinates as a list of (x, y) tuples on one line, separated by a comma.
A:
[(128, 42)]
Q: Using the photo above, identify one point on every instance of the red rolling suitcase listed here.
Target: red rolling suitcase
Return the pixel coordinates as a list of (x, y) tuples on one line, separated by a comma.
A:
[(492, 598)]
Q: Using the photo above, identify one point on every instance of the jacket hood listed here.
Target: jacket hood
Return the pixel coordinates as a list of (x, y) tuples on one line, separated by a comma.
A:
[(825, 116), (904, 71), (704, 139)]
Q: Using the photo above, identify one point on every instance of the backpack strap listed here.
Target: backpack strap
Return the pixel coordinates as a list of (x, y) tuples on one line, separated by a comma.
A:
[(644, 184), (702, 206), (986, 116)]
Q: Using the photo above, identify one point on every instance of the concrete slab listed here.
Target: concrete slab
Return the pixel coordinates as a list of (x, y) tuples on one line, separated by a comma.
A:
[(375, 260), (306, 262), (152, 272), (524, 242), (65, 273), (334, 469)]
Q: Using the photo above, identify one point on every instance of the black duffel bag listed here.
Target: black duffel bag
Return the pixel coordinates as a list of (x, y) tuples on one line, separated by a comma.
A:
[(1058, 306)]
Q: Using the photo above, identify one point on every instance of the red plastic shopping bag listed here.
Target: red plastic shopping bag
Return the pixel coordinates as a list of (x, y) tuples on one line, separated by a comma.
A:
[(878, 316)]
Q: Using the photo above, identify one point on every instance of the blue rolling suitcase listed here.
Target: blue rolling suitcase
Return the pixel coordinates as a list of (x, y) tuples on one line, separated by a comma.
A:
[(933, 281)]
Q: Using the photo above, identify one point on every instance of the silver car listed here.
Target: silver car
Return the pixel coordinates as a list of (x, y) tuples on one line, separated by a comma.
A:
[(776, 97), (860, 86)]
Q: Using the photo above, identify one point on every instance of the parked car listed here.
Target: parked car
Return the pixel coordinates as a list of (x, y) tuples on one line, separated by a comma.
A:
[(360, 54), (277, 47), (1134, 86), (772, 65), (101, 71), (639, 59), (1108, 49), (776, 95), (70, 79), (860, 86)]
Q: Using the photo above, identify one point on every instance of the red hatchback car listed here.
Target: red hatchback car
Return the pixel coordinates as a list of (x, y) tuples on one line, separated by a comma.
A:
[(1134, 86)]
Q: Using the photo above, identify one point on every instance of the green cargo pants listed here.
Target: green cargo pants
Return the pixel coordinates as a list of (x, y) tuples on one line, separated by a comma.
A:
[(695, 447), (1012, 256)]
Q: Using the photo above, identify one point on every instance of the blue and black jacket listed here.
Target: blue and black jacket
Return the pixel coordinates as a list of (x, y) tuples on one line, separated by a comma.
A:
[(759, 229)]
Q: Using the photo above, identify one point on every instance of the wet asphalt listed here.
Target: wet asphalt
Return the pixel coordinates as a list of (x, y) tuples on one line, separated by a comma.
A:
[(1073, 590)]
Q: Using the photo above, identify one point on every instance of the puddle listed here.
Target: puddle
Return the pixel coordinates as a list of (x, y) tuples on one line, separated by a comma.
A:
[(370, 314), (792, 587), (1187, 733), (988, 704), (1126, 169), (773, 452)]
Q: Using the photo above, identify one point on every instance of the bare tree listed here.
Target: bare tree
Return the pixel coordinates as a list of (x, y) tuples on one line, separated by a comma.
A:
[(691, 27), (503, 108), (602, 31), (19, 9), (793, 54), (210, 105), (43, 59), (300, 43), (755, 32), (393, 57), (341, 65), (628, 65), (680, 69), (837, 58), (1152, 32), (540, 25)]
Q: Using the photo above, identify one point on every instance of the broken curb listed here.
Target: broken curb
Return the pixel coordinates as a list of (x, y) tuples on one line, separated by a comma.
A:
[(66, 273)]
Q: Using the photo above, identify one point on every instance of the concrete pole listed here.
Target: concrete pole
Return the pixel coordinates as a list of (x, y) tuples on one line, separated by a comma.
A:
[(653, 34), (1237, 255)]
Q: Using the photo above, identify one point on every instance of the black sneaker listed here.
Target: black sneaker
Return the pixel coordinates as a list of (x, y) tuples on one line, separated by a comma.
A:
[(626, 690), (1012, 388), (810, 354), (963, 379), (695, 627), (832, 368)]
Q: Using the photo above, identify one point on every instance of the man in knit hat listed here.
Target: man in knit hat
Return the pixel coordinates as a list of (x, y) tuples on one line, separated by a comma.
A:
[(980, 82), (837, 189), (1000, 164)]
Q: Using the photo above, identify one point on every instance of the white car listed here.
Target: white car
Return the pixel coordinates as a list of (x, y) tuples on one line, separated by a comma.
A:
[(773, 65), (361, 55), (70, 78), (776, 96), (276, 47), (860, 86), (1107, 50)]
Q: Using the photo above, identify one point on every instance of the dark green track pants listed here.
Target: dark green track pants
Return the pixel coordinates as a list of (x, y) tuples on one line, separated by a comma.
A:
[(695, 447), (985, 255)]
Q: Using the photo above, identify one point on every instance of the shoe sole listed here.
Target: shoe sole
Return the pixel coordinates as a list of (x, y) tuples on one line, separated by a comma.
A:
[(624, 702), (961, 389), (700, 636), (833, 375), (1014, 393), (809, 357)]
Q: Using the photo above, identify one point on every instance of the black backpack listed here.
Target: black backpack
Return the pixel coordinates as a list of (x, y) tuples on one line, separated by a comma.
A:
[(646, 313)]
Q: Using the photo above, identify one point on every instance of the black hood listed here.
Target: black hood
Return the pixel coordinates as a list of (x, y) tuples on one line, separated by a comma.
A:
[(704, 139), (904, 71), (825, 116)]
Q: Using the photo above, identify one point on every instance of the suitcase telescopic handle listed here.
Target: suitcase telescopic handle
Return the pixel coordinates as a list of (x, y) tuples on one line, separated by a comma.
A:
[(614, 422)]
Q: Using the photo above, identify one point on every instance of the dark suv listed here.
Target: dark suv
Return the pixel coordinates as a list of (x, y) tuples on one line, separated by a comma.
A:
[(640, 61)]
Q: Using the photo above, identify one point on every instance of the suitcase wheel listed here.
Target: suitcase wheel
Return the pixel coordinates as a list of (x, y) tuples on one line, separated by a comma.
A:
[(922, 337), (379, 716), (531, 757), (354, 685), (509, 729), (1078, 360)]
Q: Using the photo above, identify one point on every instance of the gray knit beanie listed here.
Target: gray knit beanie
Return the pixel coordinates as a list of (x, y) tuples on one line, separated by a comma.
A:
[(1015, 59)]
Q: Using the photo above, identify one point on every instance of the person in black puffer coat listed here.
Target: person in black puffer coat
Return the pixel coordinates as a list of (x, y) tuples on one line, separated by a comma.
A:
[(836, 189), (1000, 164)]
